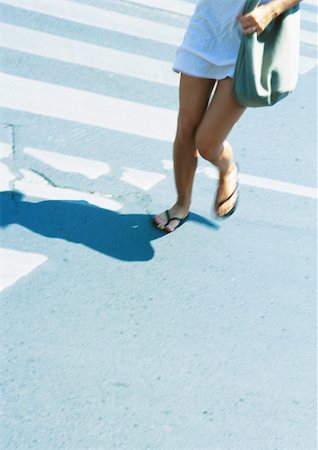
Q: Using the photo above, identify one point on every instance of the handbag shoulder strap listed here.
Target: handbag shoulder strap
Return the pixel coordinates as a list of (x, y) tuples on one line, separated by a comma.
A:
[(250, 5)]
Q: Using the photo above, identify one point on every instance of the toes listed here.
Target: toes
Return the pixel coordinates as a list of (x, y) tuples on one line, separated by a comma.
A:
[(159, 220), (162, 225), (224, 209), (172, 226), (169, 228)]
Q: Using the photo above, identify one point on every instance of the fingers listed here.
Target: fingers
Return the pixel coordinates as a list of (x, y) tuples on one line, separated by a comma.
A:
[(257, 20), (249, 24), (250, 30)]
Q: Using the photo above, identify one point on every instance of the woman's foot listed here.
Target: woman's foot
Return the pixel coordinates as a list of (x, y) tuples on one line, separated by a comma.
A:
[(227, 193), (164, 222)]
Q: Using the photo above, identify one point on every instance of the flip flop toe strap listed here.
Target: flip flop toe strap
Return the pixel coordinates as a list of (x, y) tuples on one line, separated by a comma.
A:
[(227, 199), (178, 219)]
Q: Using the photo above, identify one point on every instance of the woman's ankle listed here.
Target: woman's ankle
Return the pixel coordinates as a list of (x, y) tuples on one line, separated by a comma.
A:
[(182, 204), (225, 160)]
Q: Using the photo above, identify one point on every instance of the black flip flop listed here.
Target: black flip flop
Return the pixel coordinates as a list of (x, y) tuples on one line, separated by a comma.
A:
[(170, 219), (232, 210)]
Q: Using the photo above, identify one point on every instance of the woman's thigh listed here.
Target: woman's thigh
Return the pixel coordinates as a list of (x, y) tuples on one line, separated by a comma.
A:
[(194, 95), (218, 120)]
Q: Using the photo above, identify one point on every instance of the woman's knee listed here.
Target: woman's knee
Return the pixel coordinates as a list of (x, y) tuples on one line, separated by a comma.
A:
[(186, 130), (208, 146)]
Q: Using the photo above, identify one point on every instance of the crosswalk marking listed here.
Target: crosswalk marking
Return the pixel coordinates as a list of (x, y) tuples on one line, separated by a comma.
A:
[(88, 55), (105, 20), (94, 56), (6, 178), (15, 264), (308, 37), (311, 2), (267, 183), (141, 178), (167, 164), (72, 104), (187, 9), (71, 164), (35, 186), (5, 150), (308, 16), (306, 63), (113, 21), (174, 6)]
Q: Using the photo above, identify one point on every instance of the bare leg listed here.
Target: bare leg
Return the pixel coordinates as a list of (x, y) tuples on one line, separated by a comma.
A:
[(219, 119), (194, 94)]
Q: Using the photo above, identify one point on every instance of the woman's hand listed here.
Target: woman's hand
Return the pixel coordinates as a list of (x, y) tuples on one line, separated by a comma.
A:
[(257, 20)]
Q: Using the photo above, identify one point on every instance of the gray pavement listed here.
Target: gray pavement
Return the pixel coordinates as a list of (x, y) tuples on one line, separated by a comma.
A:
[(115, 336)]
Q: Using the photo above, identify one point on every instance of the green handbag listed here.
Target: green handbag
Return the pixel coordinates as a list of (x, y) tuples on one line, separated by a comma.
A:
[(266, 69)]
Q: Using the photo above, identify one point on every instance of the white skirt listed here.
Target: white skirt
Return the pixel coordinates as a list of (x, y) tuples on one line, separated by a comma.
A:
[(212, 40)]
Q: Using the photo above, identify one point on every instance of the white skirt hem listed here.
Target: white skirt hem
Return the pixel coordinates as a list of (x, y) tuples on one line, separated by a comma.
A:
[(194, 65)]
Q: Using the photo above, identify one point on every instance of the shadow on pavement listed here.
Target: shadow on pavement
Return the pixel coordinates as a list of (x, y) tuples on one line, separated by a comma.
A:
[(126, 237)]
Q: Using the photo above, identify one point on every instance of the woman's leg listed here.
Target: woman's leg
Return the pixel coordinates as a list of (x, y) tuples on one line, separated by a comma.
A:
[(220, 117), (194, 94)]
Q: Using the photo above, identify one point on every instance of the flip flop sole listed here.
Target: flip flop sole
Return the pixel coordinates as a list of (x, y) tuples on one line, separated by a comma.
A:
[(164, 229)]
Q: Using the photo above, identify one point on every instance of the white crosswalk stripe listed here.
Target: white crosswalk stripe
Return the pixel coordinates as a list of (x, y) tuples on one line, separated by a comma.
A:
[(97, 57), (112, 21), (72, 104), (6, 177), (88, 55), (306, 63), (105, 20), (267, 183), (308, 37), (33, 185), (308, 16), (174, 6), (68, 163), (311, 2), (5, 150), (141, 178), (15, 264)]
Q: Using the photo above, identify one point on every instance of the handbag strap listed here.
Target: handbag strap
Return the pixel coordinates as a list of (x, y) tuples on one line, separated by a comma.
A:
[(250, 5)]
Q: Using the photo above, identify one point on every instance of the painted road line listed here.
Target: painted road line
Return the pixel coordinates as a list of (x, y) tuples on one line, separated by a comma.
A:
[(97, 57), (187, 9), (174, 6), (93, 16), (306, 63), (47, 99), (167, 164), (106, 20), (141, 178), (75, 52), (6, 178), (267, 183), (109, 20), (16, 264), (5, 150), (88, 55), (308, 37), (143, 120), (308, 16), (71, 164), (311, 2), (35, 186)]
